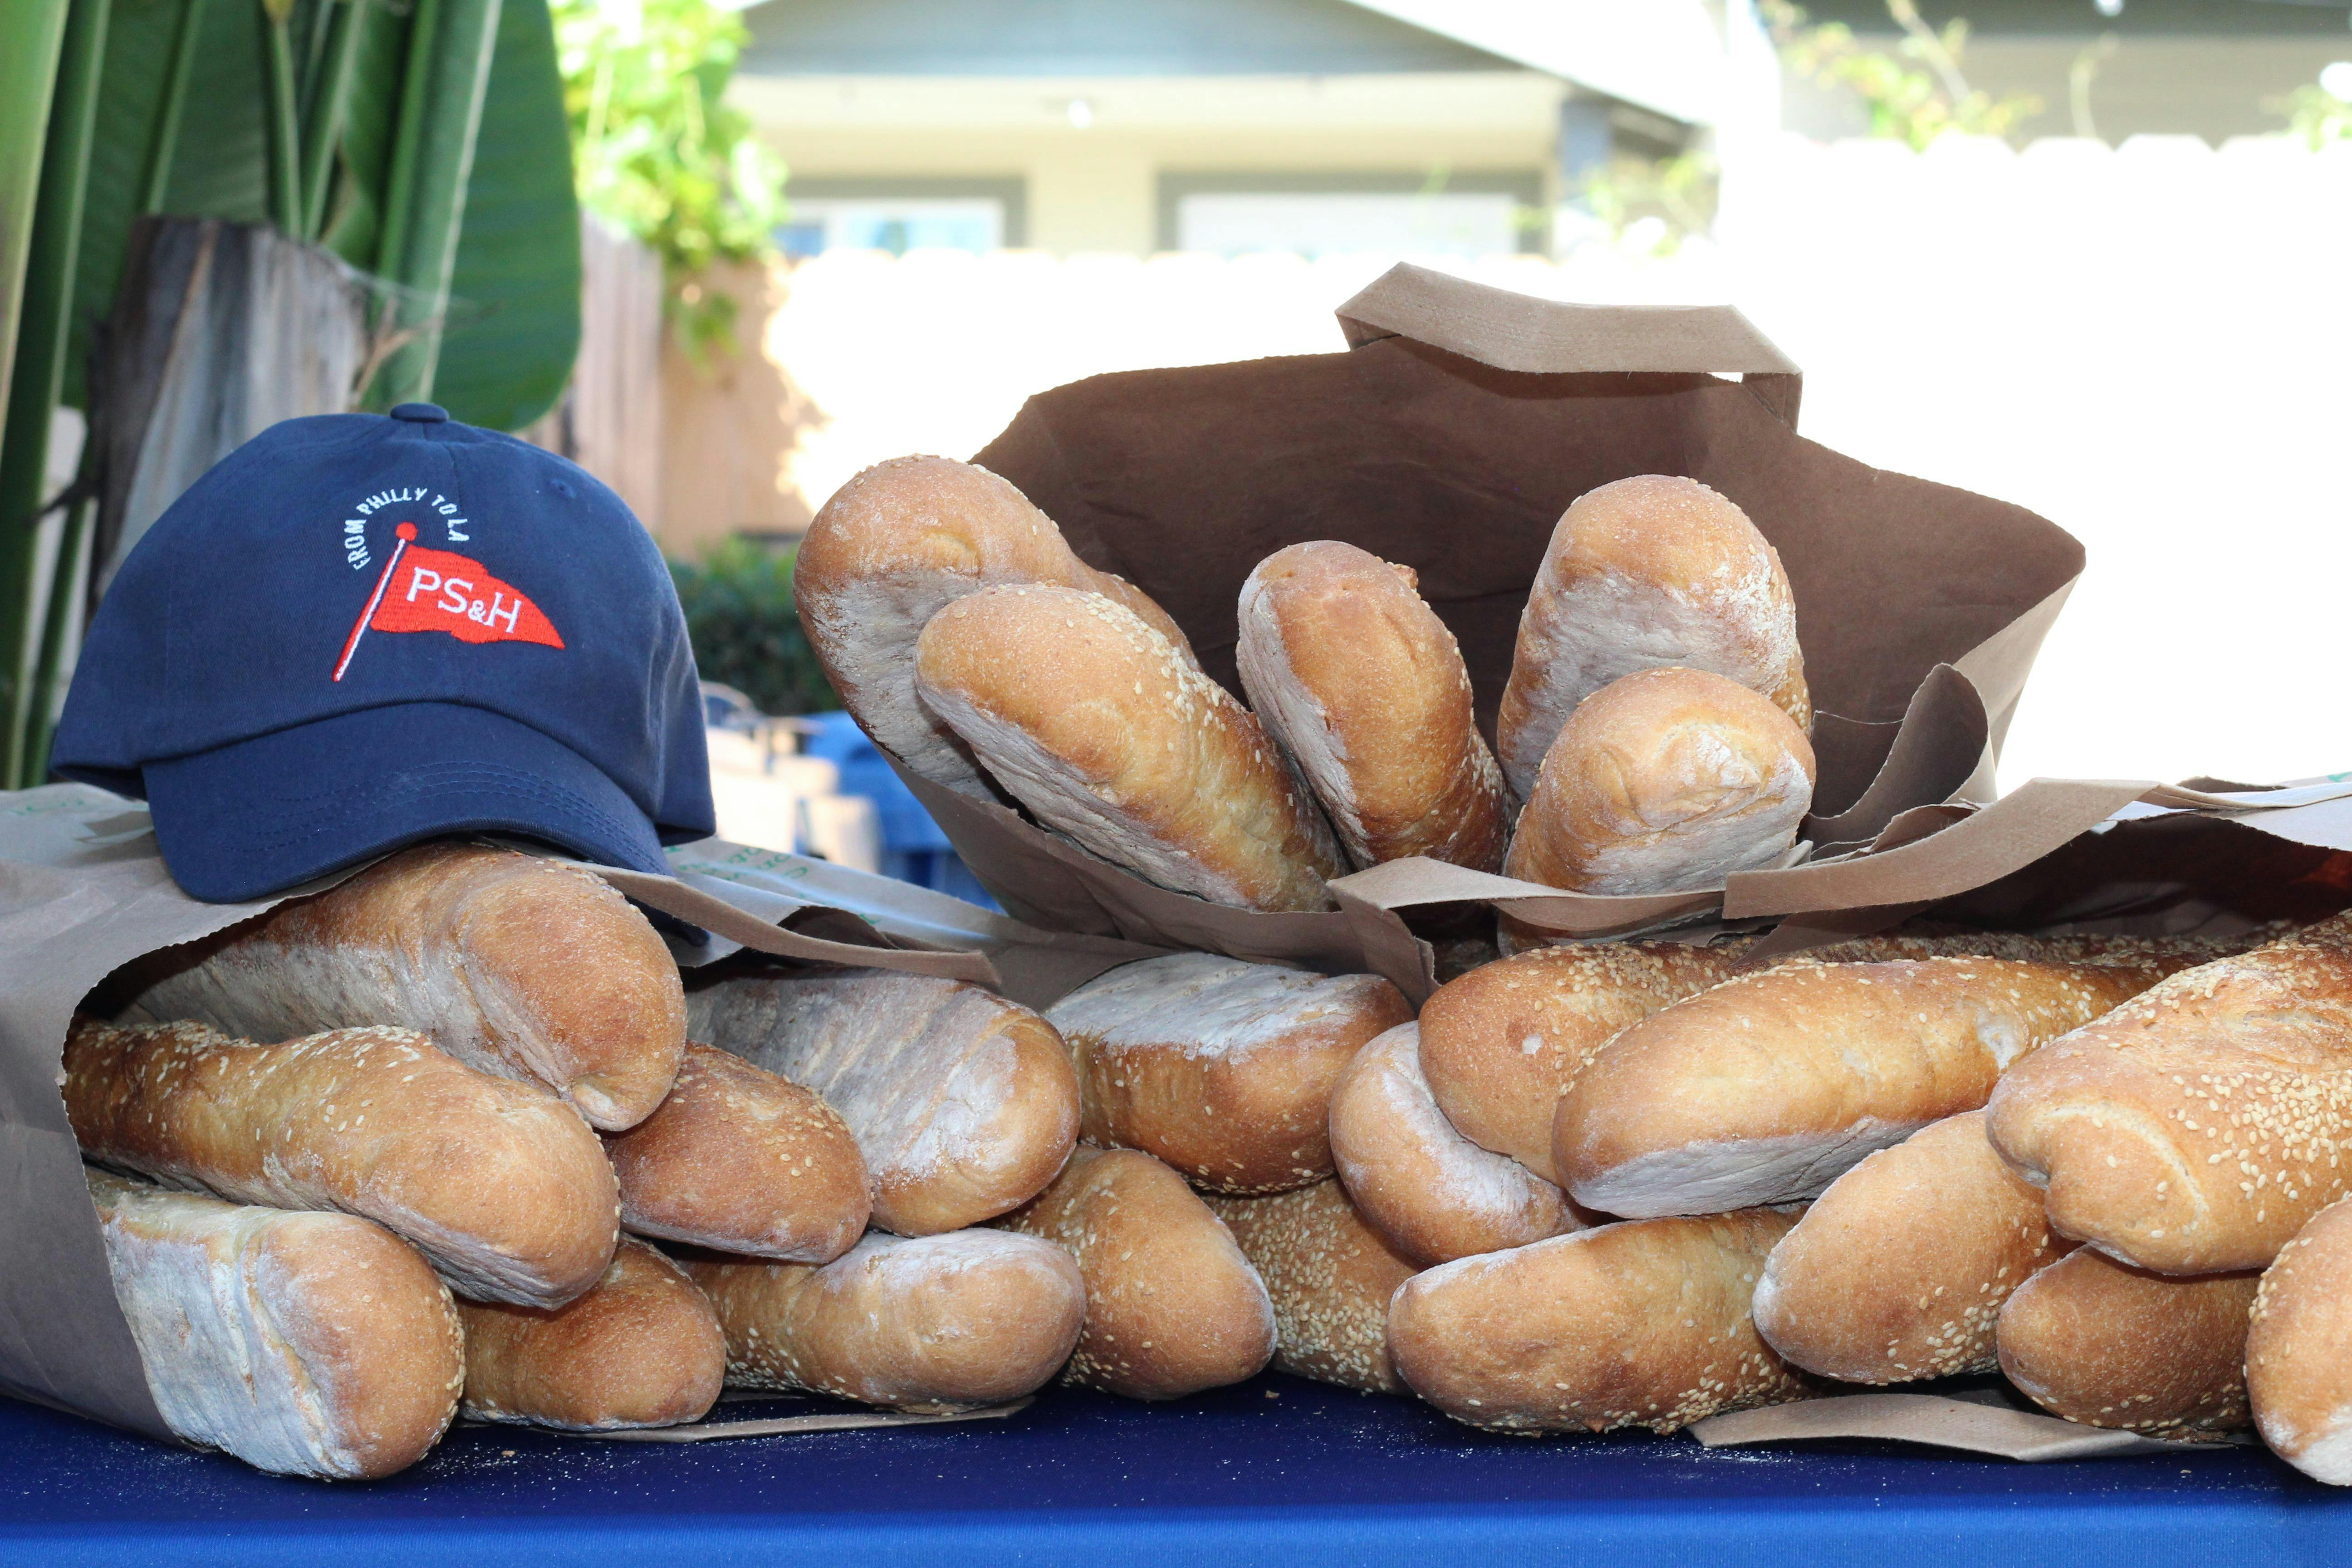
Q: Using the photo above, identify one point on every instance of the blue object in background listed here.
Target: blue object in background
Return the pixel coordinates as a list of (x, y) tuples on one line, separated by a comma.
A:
[(913, 847)]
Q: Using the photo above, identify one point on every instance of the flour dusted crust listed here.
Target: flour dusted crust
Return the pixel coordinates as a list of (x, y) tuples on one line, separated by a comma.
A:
[(1644, 1324), (2107, 1345), (934, 1322), (515, 964), (1769, 1087), (2198, 1128), (1503, 1043), (1664, 781), (1365, 691), (2299, 1350), (1093, 719), (1172, 1306), (1431, 1193), (964, 1104), (1642, 574), (1330, 1277), (499, 1183), (305, 1344), (1221, 1068), (741, 1160), (641, 1348), (894, 546), (1899, 1270)]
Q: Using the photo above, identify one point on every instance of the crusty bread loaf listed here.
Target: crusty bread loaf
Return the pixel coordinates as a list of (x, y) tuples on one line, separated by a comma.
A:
[(2197, 1128), (1899, 1271), (306, 1344), (933, 1322), (1365, 691), (744, 1160), (1172, 1306), (1089, 717), (2107, 1345), (497, 1182), (1431, 1193), (521, 966), (892, 547), (1664, 781), (1767, 1088), (1221, 1067), (1644, 572), (1502, 1044), (962, 1103), (2299, 1350), (1640, 1324), (641, 1348), (1330, 1277)]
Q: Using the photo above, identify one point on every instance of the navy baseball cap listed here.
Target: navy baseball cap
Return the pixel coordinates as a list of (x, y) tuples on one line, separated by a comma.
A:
[(358, 631)]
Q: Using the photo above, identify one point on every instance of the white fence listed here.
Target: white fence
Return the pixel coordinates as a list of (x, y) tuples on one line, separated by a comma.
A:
[(2151, 346)]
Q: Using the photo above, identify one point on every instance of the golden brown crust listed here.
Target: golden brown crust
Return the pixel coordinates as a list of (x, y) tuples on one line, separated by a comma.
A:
[(1221, 1068), (2299, 1348), (1365, 691), (303, 1344), (889, 550), (1329, 1276), (1664, 781), (2197, 1128), (1645, 571), (2107, 1345), (1088, 717), (1172, 1306), (518, 965), (499, 1182), (741, 1160), (1899, 1271), (1431, 1192), (1769, 1087), (641, 1348), (934, 1322), (964, 1104), (1643, 1323)]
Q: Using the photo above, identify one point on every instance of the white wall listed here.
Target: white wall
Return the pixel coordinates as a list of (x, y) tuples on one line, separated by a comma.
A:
[(2150, 346)]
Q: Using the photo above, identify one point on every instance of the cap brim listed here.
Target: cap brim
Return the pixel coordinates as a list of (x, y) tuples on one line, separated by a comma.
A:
[(260, 816)]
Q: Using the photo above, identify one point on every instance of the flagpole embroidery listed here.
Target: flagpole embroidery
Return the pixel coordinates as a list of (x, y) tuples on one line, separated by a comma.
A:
[(405, 533)]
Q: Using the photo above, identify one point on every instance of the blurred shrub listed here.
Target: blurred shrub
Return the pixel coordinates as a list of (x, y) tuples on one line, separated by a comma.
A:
[(1915, 94), (746, 632)]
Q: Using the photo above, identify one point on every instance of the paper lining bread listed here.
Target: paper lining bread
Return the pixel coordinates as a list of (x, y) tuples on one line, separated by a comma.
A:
[(516, 964), (964, 1104), (889, 550), (499, 1183), (1088, 716), (1172, 1306), (640, 1348), (1431, 1193), (1898, 1272), (1667, 780), (305, 1344), (1330, 1277), (1221, 1068), (741, 1160), (933, 1322), (1365, 691), (1644, 572), (2107, 1345)]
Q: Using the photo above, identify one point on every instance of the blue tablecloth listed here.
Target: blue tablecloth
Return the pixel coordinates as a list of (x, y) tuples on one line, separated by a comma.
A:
[(1275, 1472)]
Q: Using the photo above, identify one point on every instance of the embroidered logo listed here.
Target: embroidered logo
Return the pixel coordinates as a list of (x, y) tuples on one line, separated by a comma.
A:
[(423, 590)]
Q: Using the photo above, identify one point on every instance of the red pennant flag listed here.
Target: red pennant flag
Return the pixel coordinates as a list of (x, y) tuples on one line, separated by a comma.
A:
[(425, 590)]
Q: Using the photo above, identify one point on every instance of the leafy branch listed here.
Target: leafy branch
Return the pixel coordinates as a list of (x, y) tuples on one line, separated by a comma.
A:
[(1915, 94)]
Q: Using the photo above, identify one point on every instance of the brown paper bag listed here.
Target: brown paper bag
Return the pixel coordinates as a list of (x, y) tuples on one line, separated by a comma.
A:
[(83, 891), (1450, 436)]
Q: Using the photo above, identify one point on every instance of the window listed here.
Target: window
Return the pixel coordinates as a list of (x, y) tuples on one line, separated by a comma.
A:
[(898, 216), (1326, 214)]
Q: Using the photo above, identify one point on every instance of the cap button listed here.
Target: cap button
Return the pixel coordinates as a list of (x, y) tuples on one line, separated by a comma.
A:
[(421, 413)]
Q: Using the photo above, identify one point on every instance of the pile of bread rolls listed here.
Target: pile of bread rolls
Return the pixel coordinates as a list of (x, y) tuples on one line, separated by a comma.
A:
[(1653, 735)]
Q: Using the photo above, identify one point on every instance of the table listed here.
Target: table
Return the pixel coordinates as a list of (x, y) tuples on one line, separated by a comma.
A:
[(1276, 1471)]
